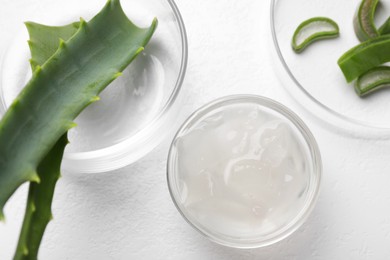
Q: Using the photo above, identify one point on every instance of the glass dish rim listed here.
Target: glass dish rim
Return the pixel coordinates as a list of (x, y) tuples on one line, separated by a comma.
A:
[(352, 126), (315, 175), (102, 160)]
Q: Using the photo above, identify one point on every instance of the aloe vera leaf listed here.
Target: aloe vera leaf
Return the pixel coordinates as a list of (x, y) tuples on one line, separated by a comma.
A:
[(365, 56), (59, 90), (363, 21), (38, 208), (385, 28), (373, 80), (44, 41), (314, 29)]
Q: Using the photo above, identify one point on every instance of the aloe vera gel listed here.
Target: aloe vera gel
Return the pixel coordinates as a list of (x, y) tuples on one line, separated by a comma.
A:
[(241, 170)]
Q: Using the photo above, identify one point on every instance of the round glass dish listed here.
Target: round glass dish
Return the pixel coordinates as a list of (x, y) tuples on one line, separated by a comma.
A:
[(244, 171), (313, 77), (135, 111)]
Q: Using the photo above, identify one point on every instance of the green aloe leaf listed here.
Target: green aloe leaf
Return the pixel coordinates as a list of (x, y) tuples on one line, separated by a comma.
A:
[(38, 208), (44, 42), (68, 81)]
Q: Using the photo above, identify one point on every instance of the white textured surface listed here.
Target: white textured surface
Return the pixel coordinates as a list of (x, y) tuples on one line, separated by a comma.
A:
[(128, 214)]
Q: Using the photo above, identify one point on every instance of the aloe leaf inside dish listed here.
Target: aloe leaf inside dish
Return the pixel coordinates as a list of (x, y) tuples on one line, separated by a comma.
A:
[(312, 30), (60, 88), (363, 21), (373, 80), (44, 42)]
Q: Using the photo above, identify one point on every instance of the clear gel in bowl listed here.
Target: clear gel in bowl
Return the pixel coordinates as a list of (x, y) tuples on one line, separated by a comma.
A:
[(244, 171)]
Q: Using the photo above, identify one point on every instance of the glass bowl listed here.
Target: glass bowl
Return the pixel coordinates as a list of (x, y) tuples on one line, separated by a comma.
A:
[(313, 77), (135, 111), (244, 171)]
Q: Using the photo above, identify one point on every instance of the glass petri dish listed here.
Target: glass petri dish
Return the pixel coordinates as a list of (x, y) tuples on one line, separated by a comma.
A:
[(244, 171), (313, 77), (135, 111)]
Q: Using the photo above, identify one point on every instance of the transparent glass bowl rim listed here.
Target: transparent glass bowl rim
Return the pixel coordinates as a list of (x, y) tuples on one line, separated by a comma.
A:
[(349, 125), (120, 155), (315, 175)]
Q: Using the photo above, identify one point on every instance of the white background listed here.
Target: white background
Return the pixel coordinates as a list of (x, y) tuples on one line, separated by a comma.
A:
[(128, 214)]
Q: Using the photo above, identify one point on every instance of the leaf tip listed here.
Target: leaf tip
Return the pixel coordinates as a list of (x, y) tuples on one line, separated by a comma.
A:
[(35, 177), (33, 63), (38, 70), (155, 22), (62, 44), (113, 3), (83, 24), (139, 50), (30, 43), (117, 75), (29, 24), (94, 99), (71, 125)]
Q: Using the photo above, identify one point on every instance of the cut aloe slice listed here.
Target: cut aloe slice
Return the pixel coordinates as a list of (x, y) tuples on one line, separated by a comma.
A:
[(373, 80), (311, 30), (365, 56), (364, 26)]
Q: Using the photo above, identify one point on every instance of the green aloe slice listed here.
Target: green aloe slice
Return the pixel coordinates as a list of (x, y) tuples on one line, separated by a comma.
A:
[(363, 22), (365, 56), (385, 28), (68, 81), (44, 41), (373, 80), (312, 30)]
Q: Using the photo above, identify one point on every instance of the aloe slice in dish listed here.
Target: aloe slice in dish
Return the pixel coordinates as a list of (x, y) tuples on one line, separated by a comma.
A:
[(363, 22), (365, 56), (385, 28), (373, 80), (311, 30)]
